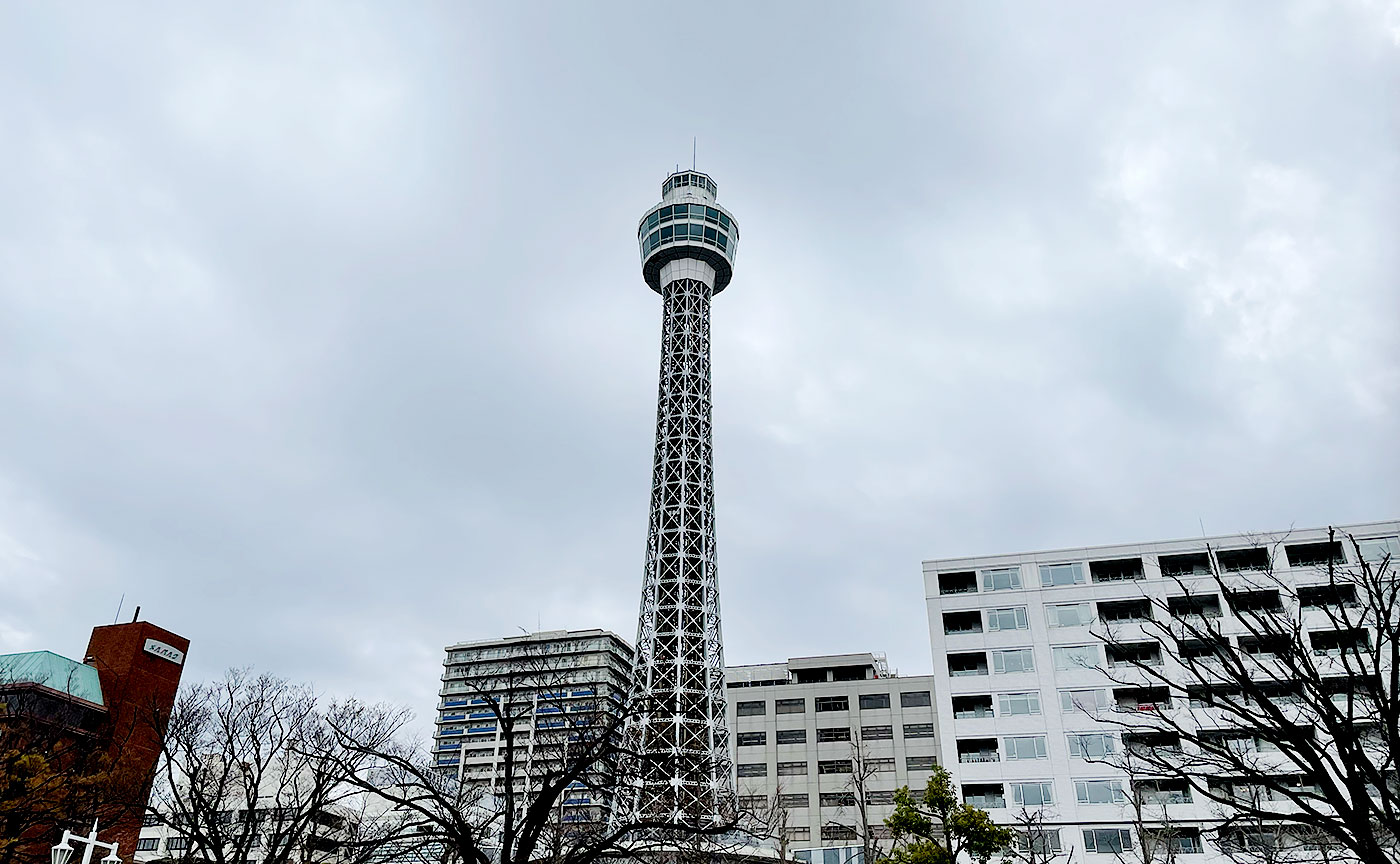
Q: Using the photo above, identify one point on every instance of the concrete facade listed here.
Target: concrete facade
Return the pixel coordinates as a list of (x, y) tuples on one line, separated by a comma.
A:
[(1013, 635), (814, 733)]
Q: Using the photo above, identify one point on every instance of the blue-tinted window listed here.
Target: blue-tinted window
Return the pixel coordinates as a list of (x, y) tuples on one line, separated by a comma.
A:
[(711, 214), (653, 241), (723, 220), (710, 234), (653, 219), (723, 242), (666, 232), (665, 213)]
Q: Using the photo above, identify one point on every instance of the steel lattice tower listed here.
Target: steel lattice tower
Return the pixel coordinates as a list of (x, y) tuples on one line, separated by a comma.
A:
[(679, 737)]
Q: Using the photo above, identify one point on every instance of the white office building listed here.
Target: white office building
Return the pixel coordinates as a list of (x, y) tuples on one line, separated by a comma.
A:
[(815, 733), (1022, 682)]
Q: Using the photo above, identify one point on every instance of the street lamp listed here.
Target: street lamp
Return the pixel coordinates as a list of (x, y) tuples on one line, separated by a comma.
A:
[(63, 852)]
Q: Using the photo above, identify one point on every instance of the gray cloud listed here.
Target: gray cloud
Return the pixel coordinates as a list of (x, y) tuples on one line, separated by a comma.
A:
[(322, 336)]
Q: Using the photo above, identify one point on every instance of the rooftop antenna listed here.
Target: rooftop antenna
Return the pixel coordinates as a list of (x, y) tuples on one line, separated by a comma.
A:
[(119, 608), (692, 151)]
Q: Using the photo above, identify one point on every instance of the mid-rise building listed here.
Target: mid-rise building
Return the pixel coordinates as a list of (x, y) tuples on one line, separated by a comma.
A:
[(826, 741), (1032, 695), (547, 684)]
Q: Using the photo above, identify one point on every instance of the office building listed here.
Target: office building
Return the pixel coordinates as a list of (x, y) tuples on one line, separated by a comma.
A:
[(687, 244), (548, 682), (827, 741), (1032, 672)]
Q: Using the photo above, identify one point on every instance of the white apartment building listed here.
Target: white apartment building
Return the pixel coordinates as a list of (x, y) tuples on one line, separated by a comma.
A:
[(552, 679), (812, 733), (1019, 675)]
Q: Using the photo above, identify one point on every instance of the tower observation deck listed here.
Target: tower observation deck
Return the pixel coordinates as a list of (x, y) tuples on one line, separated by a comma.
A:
[(679, 735)]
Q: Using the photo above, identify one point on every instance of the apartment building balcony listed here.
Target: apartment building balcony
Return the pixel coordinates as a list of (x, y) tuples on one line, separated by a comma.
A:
[(973, 750)]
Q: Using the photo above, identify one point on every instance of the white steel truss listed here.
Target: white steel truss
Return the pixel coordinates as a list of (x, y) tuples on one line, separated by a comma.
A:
[(680, 738)]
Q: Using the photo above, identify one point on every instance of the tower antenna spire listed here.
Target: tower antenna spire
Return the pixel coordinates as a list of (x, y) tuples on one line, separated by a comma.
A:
[(693, 145)]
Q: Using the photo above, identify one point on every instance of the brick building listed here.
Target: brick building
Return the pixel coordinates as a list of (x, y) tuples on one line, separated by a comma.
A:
[(103, 712)]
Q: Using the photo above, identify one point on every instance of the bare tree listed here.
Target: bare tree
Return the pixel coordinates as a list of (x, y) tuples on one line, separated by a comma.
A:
[(557, 766), (1035, 842), (251, 771), (865, 766), (1296, 700)]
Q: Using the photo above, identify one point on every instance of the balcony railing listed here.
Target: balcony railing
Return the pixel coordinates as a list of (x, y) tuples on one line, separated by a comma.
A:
[(979, 757)]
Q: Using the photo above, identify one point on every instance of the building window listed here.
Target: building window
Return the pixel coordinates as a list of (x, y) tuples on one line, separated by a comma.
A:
[(1076, 656), (1379, 549), (1013, 660), (971, 707), (962, 623), (750, 709), (148, 844), (876, 733), (1197, 605), (1313, 555), (833, 703), (918, 763), (834, 766), (1188, 564), (792, 769), (957, 583), (918, 730), (753, 802), (751, 739), (984, 796), (1069, 615), (879, 797), (1126, 611), (793, 801), (1182, 841), (837, 799), (1099, 792), (792, 736), (1040, 841), (1089, 702), (752, 769), (915, 699), (833, 733), (838, 832), (1112, 841), (1038, 794), (799, 832), (1052, 575), (1010, 618), (1004, 579), (963, 665), (1020, 747), (874, 701), (1014, 704), (176, 844), (150, 820), (1094, 745), (1133, 654), (1235, 560), (1118, 570), (790, 706), (879, 766)]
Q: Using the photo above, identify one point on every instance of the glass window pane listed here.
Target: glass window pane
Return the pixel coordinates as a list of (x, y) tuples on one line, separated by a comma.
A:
[(1061, 574), (667, 231)]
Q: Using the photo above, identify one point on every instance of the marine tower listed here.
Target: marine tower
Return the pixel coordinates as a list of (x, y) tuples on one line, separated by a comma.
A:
[(679, 734)]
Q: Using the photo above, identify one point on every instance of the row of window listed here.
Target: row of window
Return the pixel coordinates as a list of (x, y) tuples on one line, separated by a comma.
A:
[(866, 701), (694, 212), (1041, 793), (1082, 745), (682, 233), (1127, 655), (802, 800), (831, 766), (1060, 615), (696, 179), (830, 734), (1373, 551)]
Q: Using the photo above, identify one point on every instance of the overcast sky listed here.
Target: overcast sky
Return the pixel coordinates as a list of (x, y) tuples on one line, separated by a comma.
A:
[(323, 336)]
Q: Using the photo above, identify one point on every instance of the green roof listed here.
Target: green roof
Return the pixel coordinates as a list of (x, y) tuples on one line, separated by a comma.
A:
[(53, 671)]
